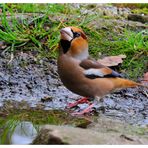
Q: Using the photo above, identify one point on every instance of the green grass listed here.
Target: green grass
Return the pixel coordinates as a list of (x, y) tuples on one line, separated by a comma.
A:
[(132, 5), (8, 129), (17, 35), (42, 34), (133, 44), (36, 8), (141, 11)]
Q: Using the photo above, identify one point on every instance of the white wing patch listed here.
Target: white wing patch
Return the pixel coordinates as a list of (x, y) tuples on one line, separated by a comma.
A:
[(95, 72)]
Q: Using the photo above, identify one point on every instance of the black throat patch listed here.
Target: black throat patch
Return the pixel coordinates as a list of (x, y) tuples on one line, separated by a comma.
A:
[(65, 45)]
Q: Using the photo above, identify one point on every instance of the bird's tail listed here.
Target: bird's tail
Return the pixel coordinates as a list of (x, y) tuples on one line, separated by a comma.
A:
[(125, 83)]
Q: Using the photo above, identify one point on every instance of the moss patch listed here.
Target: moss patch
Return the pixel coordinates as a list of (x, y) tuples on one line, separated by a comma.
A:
[(57, 117)]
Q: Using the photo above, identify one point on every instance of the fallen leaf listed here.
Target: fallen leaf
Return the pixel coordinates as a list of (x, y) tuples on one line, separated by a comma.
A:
[(1, 11), (145, 78), (2, 45), (112, 60)]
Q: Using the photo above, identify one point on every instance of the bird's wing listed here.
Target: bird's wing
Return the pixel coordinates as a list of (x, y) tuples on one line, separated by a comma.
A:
[(94, 69)]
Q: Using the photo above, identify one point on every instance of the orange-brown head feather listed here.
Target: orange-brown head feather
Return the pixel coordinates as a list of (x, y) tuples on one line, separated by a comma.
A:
[(77, 40), (75, 29)]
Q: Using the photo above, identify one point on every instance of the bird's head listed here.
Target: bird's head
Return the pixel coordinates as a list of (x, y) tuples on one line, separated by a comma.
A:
[(74, 42)]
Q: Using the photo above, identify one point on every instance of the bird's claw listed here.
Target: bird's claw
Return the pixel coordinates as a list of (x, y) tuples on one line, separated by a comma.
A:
[(87, 110), (80, 101)]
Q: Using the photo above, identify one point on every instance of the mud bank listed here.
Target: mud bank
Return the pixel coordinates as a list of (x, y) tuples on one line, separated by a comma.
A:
[(36, 82)]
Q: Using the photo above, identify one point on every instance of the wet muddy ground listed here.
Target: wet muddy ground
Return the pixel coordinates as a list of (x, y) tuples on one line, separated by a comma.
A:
[(36, 83)]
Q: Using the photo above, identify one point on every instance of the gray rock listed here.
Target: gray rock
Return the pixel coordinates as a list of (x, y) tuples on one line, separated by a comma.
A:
[(106, 131), (138, 18)]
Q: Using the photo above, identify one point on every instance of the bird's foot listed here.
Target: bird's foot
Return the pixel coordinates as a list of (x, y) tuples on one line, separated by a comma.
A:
[(87, 110), (80, 101)]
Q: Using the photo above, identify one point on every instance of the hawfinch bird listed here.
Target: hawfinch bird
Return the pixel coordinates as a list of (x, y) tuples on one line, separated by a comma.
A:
[(82, 75)]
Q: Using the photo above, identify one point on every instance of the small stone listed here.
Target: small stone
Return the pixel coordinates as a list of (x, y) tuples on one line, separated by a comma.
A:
[(46, 98), (138, 17)]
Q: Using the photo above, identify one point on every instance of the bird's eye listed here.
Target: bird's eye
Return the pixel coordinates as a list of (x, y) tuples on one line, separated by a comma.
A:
[(76, 34)]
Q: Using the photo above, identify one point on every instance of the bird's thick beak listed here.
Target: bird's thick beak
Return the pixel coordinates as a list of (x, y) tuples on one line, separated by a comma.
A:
[(66, 34)]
